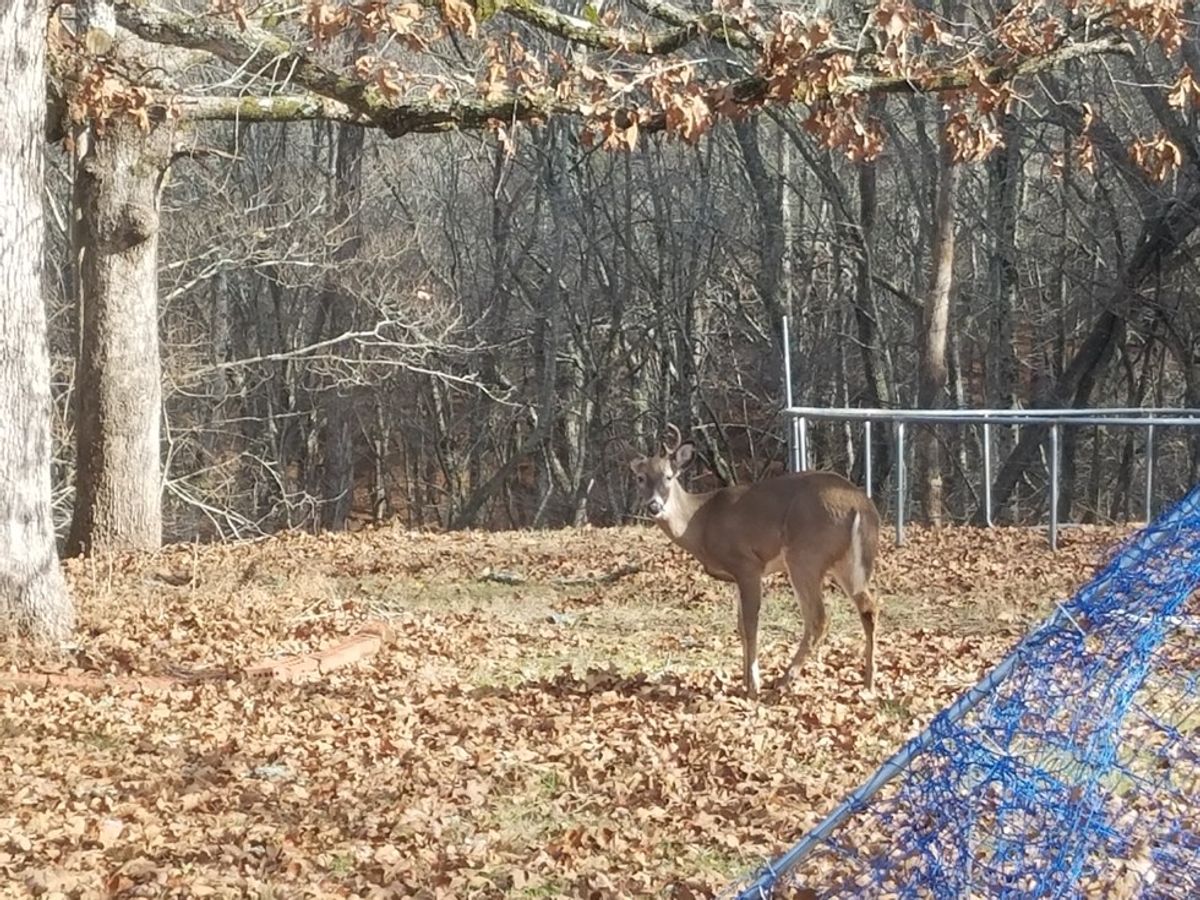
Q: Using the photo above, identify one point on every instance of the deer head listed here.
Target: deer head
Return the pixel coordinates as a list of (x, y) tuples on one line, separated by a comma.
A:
[(657, 476)]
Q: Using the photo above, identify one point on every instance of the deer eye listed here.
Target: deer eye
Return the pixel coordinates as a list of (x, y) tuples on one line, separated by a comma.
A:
[(641, 479)]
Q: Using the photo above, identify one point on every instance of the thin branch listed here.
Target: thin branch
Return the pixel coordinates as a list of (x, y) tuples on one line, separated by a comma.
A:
[(911, 303)]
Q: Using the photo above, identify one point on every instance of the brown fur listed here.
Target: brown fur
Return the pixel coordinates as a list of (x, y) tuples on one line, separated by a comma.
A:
[(798, 523)]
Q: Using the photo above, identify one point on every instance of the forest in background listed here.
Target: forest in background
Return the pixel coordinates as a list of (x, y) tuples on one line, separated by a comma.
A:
[(479, 329)]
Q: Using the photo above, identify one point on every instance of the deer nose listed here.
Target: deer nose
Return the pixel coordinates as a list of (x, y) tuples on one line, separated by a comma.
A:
[(655, 506)]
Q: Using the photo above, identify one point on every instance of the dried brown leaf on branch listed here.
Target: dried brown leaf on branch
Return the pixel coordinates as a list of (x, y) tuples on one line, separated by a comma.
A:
[(1185, 93), (1158, 156), (326, 19), (972, 139), (843, 125), (460, 15), (1160, 21), (234, 8)]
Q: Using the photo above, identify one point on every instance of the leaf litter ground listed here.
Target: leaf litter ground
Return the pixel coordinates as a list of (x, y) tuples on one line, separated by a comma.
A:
[(534, 730)]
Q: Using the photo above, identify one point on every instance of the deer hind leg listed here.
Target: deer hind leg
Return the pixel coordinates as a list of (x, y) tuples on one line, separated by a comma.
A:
[(806, 585), (749, 602), (851, 576), (868, 612)]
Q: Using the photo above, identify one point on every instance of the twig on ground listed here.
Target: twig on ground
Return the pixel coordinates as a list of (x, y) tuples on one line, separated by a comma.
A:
[(609, 578)]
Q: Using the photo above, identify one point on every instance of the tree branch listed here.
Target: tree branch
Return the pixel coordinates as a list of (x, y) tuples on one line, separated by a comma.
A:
[(689, 28), (280, 108), (253, 46), (713, 23)]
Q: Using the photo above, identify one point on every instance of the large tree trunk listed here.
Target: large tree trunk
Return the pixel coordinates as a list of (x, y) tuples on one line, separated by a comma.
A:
[(118, 481), (337, 438), (866, 313), (33, 593), (935, 325), (1004, 171), (768, 197), (1004, 189)]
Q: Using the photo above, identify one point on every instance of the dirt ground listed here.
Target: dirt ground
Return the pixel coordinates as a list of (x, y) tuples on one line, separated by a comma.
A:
[(547, 721)]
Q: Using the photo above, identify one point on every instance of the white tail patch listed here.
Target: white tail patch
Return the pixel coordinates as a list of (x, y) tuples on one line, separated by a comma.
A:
[(858, 574)]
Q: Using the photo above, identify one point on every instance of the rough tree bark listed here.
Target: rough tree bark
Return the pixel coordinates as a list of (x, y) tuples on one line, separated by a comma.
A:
[(934, 373), (33, 593), (118, 480)]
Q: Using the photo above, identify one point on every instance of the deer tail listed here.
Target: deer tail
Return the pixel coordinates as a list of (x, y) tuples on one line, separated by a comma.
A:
[(857, 554)]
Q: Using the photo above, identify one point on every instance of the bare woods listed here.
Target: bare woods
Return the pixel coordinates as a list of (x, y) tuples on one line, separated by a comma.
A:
[(478, 329), (462, 337)]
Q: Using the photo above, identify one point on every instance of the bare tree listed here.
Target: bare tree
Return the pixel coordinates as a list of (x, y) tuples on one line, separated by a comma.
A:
[(33, 594)]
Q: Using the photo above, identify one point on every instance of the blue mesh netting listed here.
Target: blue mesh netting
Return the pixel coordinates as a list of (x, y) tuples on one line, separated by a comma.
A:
[(1072, 770)]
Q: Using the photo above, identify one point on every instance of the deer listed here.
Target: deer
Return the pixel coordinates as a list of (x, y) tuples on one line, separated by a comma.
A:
[(810, 524)]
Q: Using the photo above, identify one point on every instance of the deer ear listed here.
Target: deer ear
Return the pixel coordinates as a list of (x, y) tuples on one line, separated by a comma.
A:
[(685, 454)]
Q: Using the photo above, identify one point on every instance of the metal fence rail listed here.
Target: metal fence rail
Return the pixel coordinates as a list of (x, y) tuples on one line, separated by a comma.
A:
[(1149, 418)]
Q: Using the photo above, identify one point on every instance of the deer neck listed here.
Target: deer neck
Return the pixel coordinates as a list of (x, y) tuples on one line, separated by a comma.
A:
[(677, 516)]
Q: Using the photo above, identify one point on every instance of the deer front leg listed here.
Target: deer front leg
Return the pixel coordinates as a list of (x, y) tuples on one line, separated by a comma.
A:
[(807, 588), (749, 601)]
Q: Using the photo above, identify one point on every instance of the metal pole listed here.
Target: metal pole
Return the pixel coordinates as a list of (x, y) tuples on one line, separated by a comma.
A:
[(1149, 471), (900, 485), (867, 433), (803, 444), (987, 473), (1054, 486), (793, 440)]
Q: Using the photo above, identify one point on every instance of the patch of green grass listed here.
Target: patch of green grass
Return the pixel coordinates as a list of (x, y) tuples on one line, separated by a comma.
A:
[(592, 626), (896, 708), (551, 782), (520, 602), (341, 864), (551, 888), (709, 859), (99, 740)]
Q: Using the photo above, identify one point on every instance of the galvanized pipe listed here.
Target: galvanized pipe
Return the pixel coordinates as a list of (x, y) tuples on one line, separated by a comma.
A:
[(987, 473), (995, 417), (793, 441), (901, 487), (1149, 472), (1054, 486), (867, 437), (1054, 419)]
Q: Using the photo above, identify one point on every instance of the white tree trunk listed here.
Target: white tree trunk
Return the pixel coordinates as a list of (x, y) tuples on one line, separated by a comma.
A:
[(33, 593)]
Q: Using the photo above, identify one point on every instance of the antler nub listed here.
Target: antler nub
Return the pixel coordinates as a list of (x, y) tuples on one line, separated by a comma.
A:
[(671, 448)]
